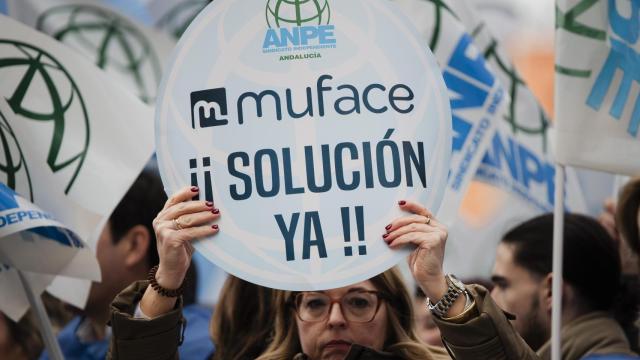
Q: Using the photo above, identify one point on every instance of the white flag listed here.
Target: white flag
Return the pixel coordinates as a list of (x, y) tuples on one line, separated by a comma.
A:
[(76, 138), (174, 16), (27, 236), (597, 93), (129, 51), (517, 173), (476, 96)]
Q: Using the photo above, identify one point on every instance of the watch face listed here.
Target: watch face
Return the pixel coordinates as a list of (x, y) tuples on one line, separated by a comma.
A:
[(455, 282)]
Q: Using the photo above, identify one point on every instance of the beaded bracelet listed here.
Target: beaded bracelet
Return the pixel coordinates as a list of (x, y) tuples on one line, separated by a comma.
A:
[(159, 289)]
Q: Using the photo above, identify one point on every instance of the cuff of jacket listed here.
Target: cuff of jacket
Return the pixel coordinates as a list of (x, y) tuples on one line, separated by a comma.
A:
[(487, 335), (133, 338)]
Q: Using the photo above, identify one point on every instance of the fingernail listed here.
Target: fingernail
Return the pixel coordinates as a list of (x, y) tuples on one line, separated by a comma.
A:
[(216, 211), (194, 189), (401, 202), (388, 227), (385, 236), (214, 226), (209, 204)]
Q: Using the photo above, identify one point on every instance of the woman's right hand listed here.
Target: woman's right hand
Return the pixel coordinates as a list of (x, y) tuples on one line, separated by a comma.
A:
[(179, 223)]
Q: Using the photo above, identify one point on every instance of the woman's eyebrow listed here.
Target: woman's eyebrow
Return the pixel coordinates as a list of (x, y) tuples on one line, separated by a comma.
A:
[(358, 289)]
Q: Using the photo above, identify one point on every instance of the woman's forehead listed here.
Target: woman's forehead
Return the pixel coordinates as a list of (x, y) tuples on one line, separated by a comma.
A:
[(366, 285)]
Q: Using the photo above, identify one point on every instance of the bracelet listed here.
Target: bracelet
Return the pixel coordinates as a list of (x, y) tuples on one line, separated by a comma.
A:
[(159, 289)]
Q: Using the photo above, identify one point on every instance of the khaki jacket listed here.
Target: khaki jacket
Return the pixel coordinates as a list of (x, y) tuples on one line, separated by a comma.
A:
[(592, 334), (486, 335)]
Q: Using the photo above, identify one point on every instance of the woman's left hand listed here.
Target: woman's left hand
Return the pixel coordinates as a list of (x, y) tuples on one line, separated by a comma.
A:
[(429, 237)]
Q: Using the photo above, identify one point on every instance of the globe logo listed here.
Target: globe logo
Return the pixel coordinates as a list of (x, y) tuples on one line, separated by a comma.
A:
[(297, 12), (38, 88), (12, 162), (177, 19), (111, 41)]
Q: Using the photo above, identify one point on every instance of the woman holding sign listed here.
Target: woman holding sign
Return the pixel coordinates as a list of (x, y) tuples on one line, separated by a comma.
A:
[(373, 319)]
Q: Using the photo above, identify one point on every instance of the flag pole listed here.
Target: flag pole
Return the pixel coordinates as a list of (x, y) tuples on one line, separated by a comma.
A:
[(50, 341), (556, 287)]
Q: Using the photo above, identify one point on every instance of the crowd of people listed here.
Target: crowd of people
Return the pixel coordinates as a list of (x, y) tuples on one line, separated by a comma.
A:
[(145, 306)]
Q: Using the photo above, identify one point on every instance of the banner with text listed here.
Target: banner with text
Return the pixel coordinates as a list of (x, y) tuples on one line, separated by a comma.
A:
[(73, 139), (518, 166), (597, 93), (305, 127), (130, 52), (476, 96)]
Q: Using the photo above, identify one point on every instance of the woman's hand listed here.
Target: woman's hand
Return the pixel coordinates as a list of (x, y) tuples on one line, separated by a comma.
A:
[(180, 222), (429, 237)]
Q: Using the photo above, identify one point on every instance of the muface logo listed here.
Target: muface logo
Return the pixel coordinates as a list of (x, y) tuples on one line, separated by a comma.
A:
[(112, 42), (298, 25), (208, 107), (45, 92), (12, 161)]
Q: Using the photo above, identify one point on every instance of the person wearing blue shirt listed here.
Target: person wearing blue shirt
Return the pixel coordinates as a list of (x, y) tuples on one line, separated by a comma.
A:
[(126, 251)]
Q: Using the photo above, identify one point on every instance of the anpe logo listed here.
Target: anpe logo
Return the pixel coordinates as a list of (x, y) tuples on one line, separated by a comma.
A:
[(298, 25), (207, 107)]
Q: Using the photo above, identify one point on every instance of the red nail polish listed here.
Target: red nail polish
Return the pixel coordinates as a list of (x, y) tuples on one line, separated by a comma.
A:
[(385, 236), (214, 226), (388, 227), (209, 204), (401, 202), (216, 211), (194, 189)]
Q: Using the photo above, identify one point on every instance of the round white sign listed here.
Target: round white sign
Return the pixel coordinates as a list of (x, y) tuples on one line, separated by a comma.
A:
[(305, 122)]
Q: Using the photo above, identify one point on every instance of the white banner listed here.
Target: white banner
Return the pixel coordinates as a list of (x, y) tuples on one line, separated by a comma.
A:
[(476, 96), (13, 300), (597, 92), (75, 139), (134, 54), (517, 171), (27, 236)]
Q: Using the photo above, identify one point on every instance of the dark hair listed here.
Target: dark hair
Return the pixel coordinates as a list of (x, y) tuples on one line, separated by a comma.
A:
[(139, 206), (591, 263), (627, 214)]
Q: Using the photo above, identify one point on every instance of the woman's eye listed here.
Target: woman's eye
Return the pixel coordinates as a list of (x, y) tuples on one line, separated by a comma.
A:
[(359, 302), (315, 303)]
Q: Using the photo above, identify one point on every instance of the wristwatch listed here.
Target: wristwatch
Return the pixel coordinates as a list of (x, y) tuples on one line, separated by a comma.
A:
[(455, 289)]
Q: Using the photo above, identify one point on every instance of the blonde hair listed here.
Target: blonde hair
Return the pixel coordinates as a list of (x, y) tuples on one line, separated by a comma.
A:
[(401, 338)]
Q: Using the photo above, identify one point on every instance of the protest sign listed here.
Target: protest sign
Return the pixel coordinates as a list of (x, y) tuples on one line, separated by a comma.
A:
[(76, 139), (598, 77), (305, 127), (130, 52)]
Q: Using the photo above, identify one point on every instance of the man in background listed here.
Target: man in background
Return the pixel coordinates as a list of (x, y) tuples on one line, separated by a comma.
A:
[(522, 277), (126, 251)]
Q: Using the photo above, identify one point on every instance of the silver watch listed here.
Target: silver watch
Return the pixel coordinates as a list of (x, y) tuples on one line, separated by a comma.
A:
[(456, 288)]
